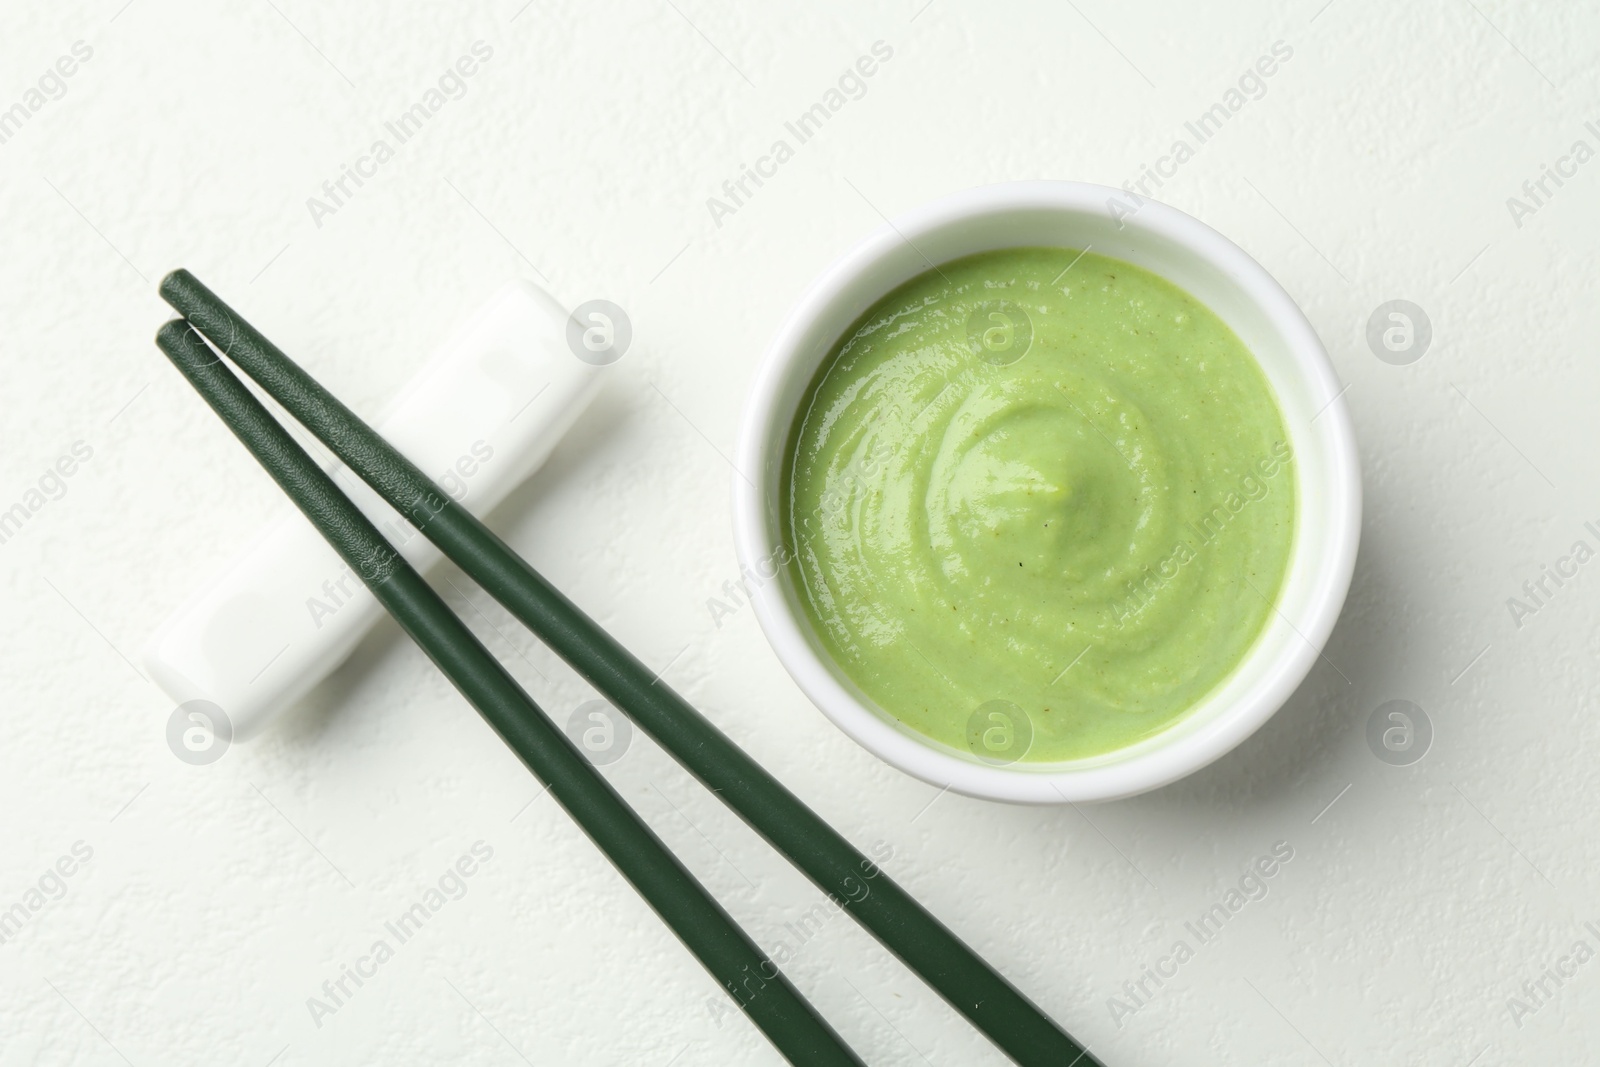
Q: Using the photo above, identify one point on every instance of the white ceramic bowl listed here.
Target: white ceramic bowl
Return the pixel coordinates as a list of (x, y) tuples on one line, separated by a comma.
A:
[(1166, 242)]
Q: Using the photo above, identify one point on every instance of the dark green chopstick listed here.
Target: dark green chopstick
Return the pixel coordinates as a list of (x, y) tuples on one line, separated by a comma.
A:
[(699, 921), (907, 929)]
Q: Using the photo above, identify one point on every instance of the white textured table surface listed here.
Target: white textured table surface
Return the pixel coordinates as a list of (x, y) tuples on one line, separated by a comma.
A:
[(1374, 164)]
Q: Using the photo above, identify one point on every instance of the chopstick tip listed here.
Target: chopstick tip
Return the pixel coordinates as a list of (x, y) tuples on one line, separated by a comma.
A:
[(182, 344), (175, 282), (172, 332)]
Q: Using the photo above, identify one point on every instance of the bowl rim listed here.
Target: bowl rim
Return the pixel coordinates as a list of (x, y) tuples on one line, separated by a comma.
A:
[(1163, 763)]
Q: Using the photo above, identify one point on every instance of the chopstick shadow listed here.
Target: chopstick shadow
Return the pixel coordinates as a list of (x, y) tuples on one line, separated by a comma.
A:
[(307, 721)]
